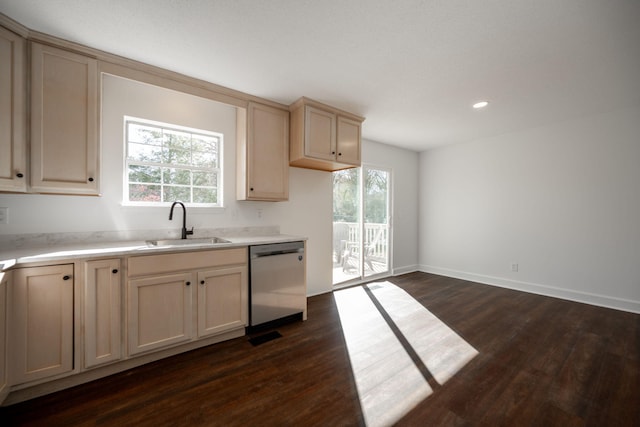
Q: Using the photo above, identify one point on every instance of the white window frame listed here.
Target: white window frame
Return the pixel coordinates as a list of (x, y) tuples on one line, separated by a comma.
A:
[(216, 169)]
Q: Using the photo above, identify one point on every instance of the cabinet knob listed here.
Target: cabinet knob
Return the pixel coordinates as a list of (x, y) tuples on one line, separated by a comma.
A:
[(188, 283), (251, 189), (66, 277), (114, 271), (333, 152), (20, 175), (339, 154), (202, 282), (90, 179)]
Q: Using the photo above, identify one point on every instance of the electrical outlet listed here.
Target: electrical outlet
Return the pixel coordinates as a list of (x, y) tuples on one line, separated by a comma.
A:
[(514, 267), (4, 215)]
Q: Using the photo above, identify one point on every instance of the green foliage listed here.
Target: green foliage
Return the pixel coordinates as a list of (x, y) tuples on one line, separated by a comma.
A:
[(346, 195)]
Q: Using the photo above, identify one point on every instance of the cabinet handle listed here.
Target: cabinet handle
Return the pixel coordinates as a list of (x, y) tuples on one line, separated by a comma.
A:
[(333, 152), (339, 154), (251, 189), (90, 179), (66, 277), (188, 283), (202, 282), (114, 271), (20, 175)]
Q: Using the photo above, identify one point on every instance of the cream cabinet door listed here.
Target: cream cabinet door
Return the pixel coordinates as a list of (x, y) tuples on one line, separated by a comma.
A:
[(41, 322), (102, 312), (12, 112), (4, 282), (222, 300), (266, 155), (159, 311), (348, 141), (320, 134), (64, 122)]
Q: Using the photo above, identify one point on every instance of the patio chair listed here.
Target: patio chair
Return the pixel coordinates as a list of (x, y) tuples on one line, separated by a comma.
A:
[(351, 252)]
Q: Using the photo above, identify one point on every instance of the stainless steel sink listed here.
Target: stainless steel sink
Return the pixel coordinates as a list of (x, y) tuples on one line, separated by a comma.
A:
[(186, 242)]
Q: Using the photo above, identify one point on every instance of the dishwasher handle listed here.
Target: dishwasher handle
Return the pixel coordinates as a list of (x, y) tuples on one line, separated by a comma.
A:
[(260, 251), (276, 252)]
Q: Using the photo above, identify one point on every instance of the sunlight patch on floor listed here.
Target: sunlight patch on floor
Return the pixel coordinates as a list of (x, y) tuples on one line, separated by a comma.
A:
[(399, 351)]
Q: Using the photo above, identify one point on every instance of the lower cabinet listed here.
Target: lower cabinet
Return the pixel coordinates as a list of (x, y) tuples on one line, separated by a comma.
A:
[(102, 312), (222, 300), (199, 294), (40, 322), (159, 311), (4, 282), (167, 301)]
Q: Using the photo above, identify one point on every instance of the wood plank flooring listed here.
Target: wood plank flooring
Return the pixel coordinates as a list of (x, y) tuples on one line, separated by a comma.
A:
[(540, 362)]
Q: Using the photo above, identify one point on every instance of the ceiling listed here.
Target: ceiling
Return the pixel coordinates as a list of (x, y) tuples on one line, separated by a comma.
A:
[(411, 67)]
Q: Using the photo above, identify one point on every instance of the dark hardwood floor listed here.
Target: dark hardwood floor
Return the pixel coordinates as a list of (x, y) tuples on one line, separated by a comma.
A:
[(540, 361)]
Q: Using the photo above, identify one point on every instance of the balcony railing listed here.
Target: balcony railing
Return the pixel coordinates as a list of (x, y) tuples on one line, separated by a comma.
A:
[(346, 241)]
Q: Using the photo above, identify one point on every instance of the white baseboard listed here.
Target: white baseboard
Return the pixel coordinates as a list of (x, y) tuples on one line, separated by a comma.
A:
[(404, 270), (535, 288)]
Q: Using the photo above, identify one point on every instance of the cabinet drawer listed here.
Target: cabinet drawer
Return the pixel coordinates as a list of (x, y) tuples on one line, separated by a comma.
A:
[(180, 261)]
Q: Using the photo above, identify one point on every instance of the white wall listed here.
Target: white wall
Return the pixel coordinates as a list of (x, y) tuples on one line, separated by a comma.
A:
[(404, 215), (562, 201)]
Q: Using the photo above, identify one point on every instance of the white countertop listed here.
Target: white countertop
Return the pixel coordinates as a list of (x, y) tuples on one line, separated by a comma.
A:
[(12, 258)]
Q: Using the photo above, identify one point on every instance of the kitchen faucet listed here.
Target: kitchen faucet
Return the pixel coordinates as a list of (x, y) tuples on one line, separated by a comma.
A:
[(185, 232)]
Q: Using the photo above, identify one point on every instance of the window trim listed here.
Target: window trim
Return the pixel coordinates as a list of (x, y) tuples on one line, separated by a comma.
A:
[(219, 170)]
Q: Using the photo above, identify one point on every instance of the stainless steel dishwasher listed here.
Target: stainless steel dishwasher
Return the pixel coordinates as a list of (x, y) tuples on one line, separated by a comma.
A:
[(277, 282)]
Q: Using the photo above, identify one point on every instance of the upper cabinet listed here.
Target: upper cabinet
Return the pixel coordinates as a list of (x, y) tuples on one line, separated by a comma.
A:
[(64, 122), (263, 153), (323, 137), (13, 174)]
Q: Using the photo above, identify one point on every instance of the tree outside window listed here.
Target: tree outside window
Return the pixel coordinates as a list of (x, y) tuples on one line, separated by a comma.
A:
[(165, 163)]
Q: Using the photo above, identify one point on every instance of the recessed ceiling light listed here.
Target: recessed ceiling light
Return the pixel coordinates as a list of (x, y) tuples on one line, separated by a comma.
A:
[(480, 104)]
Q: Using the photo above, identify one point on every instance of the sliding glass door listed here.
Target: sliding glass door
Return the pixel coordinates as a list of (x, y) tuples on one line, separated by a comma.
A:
[(361, 225)]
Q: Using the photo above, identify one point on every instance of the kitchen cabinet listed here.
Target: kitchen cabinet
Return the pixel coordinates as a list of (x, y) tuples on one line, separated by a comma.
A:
[(13, 161), (323, 137), (222, 300), (4, 384), (180, 297), (159, 312), (102, 312), (40, 322), (262, 153), (64, 122)]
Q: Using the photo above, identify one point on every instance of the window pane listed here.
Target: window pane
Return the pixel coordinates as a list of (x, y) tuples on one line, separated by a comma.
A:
[(203, 159), (145, 153), (165, 164), (204, 195), (174, 156), (144, 134), (177, 139), (171, 193), (205, 178), (139, 173), (176, 176), (144, 193), (204, 144)]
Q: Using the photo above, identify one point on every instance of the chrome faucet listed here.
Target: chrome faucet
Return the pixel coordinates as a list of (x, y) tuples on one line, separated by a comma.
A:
[(185, 232)]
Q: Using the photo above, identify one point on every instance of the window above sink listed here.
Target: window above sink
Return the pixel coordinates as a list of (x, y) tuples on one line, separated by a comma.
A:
[(166, 162)]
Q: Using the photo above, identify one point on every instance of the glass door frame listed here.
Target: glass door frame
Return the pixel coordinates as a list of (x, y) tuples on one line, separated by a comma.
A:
[(362, 276)]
